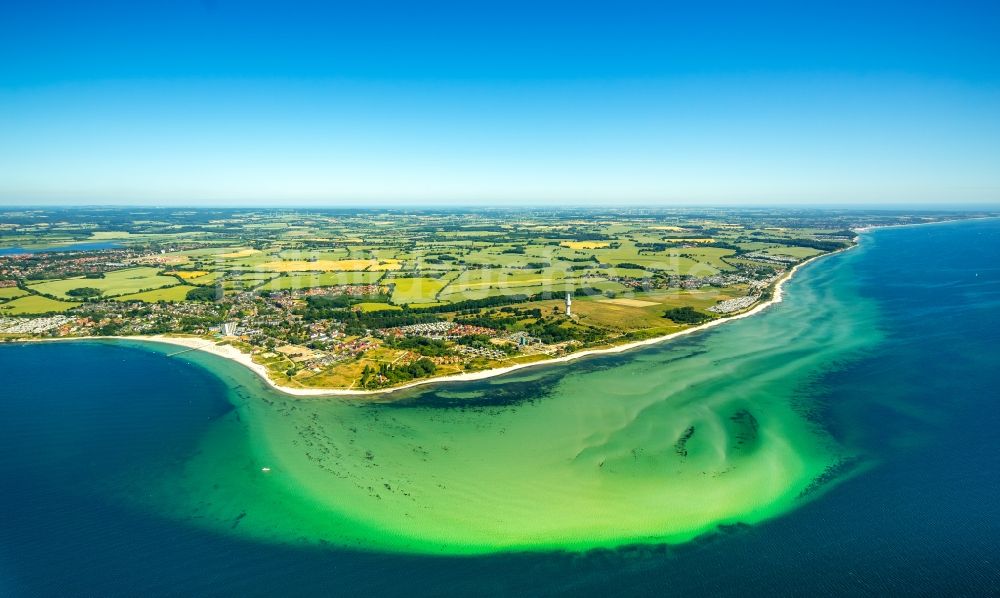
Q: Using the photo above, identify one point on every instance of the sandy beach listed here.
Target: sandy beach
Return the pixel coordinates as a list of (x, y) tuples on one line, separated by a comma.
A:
[(245, 359)]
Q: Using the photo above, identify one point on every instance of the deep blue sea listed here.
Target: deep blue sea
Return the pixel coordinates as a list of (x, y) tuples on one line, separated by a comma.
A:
[(924, 406)]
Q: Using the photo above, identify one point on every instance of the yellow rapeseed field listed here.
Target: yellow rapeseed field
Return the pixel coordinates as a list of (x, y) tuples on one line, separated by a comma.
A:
[(189, 274), (585, 244), (239, 254)]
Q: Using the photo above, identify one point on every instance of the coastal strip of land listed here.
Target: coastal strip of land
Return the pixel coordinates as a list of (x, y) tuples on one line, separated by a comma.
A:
[(351, 317), (232, 353)]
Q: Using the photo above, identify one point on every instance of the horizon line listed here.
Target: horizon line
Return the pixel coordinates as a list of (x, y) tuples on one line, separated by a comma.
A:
[(953, 206)]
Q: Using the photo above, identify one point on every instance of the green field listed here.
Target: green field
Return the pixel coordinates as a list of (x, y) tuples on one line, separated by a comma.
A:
[(710, 256), (620, 272), (11, 293), (34, 304), (299, 280), (370, 307), (118, 282), (110, 235), (172, 294), (205, 279), (799, 252), (416, 290), (455, 293)]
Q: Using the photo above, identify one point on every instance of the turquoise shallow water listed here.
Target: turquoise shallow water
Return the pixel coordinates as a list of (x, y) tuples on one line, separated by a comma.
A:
[(880, 369)]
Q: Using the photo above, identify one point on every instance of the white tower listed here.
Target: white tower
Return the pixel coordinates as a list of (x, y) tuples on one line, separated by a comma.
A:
[(569, 303)]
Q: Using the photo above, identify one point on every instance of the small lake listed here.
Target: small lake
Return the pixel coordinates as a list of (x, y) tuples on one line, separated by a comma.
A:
[(82, 246)]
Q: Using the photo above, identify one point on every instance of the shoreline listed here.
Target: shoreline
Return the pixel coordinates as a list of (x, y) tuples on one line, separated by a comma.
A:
[(245, 359)]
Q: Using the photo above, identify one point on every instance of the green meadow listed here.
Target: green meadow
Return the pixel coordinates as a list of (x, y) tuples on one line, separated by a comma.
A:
[(170, 294), (117, 282), (33, 305)]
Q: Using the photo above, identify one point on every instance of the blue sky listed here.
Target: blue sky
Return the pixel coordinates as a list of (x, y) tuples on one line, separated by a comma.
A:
[(612, 103)]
